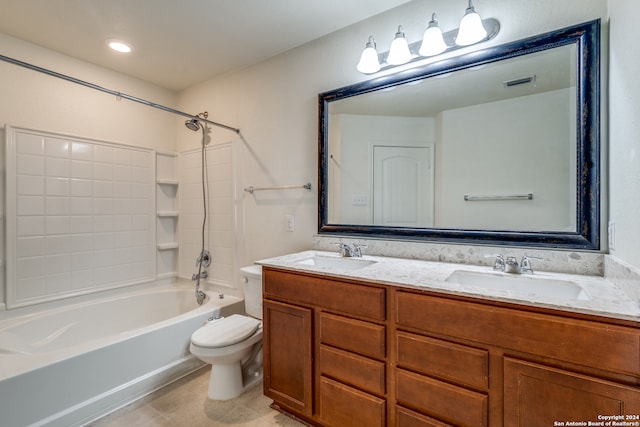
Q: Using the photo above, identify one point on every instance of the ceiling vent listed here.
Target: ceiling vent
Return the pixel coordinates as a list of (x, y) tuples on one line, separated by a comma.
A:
[(520, 81)]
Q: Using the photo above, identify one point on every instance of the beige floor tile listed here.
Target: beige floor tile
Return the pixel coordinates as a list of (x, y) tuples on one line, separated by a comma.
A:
[(185, 403)]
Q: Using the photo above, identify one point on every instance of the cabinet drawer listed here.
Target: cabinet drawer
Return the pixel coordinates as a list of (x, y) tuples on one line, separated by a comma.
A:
[(354, 335), (458, 363), (347, 297), (544, 335), (408, 418), (352, 369), (444, 401), (343, 406)]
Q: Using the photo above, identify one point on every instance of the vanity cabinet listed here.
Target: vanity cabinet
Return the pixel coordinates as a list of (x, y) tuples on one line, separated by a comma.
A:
[(353, 353), (343, 353)]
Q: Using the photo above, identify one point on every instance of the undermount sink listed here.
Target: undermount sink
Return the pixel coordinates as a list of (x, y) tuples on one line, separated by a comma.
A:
[(520, 284), (335, 262)]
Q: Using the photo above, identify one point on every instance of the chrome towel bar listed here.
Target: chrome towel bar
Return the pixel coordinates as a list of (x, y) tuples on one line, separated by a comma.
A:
[(528, 196), (251, 189)]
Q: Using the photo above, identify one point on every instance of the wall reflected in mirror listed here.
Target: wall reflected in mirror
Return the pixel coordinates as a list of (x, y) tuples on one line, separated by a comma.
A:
[(408, 155)]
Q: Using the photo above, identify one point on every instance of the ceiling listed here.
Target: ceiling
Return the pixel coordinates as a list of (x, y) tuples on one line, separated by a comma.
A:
[(178, 43)]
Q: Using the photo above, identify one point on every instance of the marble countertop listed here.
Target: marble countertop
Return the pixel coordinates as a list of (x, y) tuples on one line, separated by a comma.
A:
[(604, 298)]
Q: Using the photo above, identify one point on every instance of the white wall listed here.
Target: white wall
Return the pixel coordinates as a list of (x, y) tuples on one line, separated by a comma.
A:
[(624, 135), (38, 101), (275, 103)]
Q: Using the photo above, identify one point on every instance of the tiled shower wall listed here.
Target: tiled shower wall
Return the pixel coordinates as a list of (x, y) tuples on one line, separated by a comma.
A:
[(222, 231), (80, 216)]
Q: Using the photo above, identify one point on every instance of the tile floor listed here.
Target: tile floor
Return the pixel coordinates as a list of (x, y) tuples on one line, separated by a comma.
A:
[(185, 403)]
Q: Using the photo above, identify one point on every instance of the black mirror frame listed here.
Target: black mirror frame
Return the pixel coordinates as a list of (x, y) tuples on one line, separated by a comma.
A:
[(586, 36)]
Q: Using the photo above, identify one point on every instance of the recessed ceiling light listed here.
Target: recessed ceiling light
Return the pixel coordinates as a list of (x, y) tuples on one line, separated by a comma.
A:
[(119, 46)]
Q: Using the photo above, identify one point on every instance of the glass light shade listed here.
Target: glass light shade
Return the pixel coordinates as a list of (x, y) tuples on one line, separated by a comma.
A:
[(119, 46), (369, 62), (471, 29), (399, 52), (432, 40)]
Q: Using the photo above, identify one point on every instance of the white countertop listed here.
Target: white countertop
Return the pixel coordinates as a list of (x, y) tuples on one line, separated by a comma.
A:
[(605, 299)]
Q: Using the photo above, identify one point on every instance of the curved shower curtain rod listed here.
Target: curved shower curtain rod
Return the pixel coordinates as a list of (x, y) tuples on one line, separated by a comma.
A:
[(113, 92)]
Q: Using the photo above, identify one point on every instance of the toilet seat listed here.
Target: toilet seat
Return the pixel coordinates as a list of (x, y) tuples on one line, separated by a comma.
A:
[(225, 332)]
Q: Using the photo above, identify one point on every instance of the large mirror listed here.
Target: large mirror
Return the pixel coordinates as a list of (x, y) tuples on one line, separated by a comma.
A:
[(498, 146)]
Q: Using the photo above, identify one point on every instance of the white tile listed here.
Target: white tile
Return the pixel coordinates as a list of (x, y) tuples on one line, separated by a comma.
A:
[(121, 206), (140, 158), (81, 206), (81, 187), (57, 225), (56, 147), (30, 288), (58, 206), (139, 206), (58, 167), (27, 164), (103, 189), (58, 283), (140, 190), (103, 154), (103, 171), (30, 185), (122, 156), (122, 240), (141, 222), (81, 279), (81, 224), (122, 173), (81, 261), (30, 267), (102, 223), (102, 241), (29, 144), (122, 223), (103, 206), (81, 151), (30, 205), (30, 247), (56, 264), (82, 243), (140, 174), (57, 186), (29, 226), (102, 258), (81, 169), (58, 244), (122, 189)]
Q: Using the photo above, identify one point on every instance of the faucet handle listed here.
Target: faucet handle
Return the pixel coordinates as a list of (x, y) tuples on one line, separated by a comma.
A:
[(499, 263), (525, 264), (357, 249)]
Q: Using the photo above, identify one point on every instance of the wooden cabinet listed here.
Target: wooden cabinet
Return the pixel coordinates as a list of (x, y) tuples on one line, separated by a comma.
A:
[(343, 353), (351, 353)]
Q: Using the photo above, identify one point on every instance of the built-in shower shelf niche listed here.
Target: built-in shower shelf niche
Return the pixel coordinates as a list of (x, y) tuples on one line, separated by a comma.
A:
[(173, 182), (167, 214), (167, 246)]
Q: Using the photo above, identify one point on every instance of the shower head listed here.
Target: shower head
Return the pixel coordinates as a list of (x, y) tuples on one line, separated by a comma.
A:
[(192, 124)]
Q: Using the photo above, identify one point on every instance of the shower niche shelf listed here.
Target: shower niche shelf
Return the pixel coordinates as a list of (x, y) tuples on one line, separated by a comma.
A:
[(167, 214)]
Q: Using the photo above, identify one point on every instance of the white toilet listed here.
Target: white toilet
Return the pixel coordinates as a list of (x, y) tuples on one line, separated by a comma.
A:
[(233, 344)]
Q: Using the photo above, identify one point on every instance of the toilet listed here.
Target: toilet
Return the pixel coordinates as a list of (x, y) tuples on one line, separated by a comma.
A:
[(233, 344)]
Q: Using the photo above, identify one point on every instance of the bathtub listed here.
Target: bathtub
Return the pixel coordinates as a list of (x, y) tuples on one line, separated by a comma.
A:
[(69, 365)]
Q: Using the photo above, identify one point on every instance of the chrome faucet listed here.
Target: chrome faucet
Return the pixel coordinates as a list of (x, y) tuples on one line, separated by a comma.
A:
[(348, 252), (510, 264)]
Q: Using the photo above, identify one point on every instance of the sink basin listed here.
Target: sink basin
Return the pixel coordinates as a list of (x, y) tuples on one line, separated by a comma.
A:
[(338, 263), (520, 284)]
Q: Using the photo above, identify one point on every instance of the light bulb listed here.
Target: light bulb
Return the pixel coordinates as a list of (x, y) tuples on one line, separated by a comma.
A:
[(399, 52), (471, 29), (369, 62), (432, 40)]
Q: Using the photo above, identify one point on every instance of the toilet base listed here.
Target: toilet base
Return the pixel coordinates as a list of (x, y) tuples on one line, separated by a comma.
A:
[(228, 382)]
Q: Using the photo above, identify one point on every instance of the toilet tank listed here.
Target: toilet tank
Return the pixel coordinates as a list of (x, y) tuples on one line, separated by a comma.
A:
[(251, 277)]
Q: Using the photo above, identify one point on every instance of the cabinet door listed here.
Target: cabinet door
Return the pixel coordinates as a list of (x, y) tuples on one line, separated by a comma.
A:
[(537, 395), (287, 356)]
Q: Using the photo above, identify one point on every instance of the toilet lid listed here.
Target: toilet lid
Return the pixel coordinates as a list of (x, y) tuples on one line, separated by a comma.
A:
[(227, 331)]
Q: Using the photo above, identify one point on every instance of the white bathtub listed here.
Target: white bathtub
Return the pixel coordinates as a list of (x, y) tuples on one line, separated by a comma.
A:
[(69, 365)]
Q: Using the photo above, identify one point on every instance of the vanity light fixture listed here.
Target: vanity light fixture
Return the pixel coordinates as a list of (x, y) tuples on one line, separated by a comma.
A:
[(432, 40), (369, 62), (472, 30), (399, 52)]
